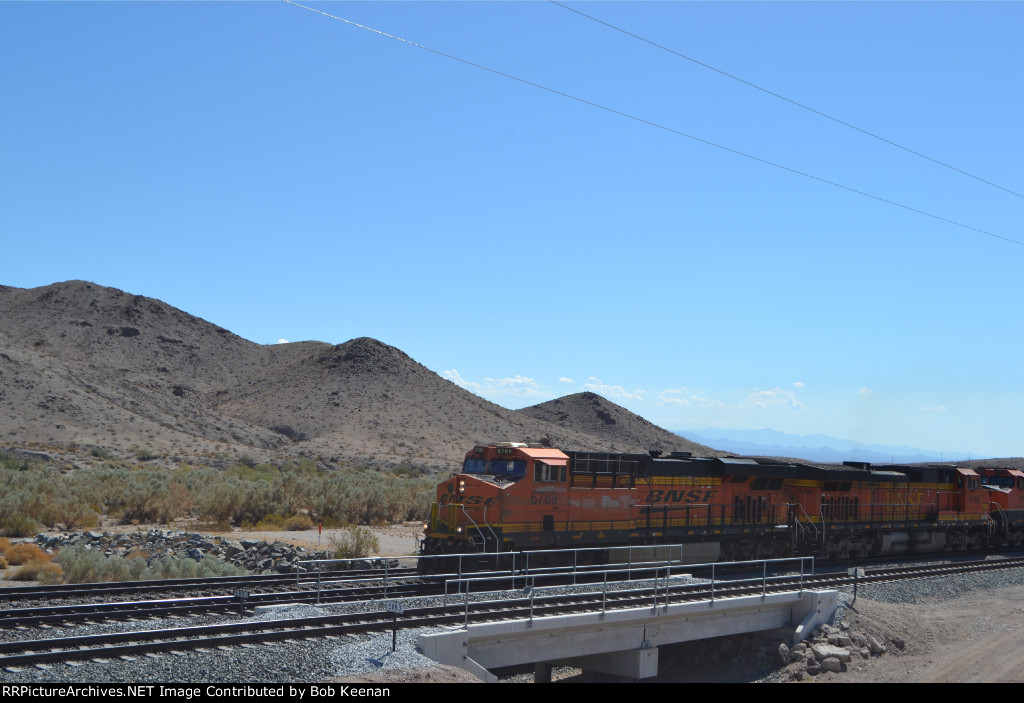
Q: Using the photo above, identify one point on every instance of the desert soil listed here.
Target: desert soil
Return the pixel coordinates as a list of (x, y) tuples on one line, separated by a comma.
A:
[(971, 639)]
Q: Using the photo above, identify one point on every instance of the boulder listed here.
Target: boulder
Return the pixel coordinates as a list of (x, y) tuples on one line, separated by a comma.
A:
[(824, 651), (832, 664)]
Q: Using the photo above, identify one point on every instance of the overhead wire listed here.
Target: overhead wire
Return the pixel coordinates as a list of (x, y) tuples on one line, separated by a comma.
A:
[(657, 125), (784, 98)]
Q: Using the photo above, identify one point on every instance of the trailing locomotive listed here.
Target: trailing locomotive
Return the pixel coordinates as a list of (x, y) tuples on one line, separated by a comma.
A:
[(513, 496)]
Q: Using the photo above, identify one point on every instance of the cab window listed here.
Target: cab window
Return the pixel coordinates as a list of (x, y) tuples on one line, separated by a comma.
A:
[(474, 466), (508, 467), (545, 473)]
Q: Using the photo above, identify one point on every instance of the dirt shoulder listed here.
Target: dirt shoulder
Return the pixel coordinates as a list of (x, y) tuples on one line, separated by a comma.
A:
[(971, 639)]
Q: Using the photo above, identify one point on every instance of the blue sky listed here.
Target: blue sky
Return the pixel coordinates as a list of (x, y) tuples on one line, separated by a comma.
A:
[(290, 176)]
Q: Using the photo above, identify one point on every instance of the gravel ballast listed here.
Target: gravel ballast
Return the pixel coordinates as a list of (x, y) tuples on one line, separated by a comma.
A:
[(320, 660)]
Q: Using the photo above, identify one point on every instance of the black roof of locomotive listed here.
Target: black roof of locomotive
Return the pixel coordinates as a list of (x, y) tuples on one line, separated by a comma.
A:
[(733, 466)]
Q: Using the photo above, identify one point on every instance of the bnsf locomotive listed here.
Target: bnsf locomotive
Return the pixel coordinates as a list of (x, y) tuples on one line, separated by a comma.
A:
[(513, 496)]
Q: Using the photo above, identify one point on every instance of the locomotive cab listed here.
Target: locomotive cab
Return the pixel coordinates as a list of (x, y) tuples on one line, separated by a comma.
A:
[(475, 507)]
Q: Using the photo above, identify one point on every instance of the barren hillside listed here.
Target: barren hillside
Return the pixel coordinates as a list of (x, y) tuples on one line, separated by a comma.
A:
[(596, 416), (87, 365)]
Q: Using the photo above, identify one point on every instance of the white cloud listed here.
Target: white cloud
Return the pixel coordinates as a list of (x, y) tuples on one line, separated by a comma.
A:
[(454, 377), (563, 379), (282, 341), (617, 392), (865, 392), (516, 386), (498, 388), (798, 384), (760, 400), (939, 408), (686, 397)]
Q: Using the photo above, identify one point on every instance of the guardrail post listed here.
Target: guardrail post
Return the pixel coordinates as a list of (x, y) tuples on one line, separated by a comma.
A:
[(385, 578), (668, 573), (465, 622), (764, 579), (654, 608), (712, 586), (533, 588), (604, 595)]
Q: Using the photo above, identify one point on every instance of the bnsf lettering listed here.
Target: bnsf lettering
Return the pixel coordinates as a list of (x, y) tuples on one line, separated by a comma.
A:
[(659, 495), (544, 498), (466, 500), (905, 497)]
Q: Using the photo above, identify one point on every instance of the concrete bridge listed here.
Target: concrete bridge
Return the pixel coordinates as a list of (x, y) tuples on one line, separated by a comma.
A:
[(623, 643)]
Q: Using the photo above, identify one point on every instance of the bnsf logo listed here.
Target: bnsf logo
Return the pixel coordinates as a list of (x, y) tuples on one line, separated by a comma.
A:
[(472, 501), (659, 495)]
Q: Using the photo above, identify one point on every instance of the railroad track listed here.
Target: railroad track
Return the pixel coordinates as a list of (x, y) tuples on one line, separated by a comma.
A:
[(93, 613), (215, 583), (131, 645)]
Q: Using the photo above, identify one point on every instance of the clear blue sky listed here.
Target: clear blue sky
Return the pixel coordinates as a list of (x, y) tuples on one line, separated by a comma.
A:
[(290, 176)]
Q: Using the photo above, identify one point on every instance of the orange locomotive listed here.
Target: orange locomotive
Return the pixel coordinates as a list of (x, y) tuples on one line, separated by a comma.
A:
[(513, 496)]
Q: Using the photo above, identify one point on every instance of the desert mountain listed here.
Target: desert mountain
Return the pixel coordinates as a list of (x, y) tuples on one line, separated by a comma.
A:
[(596, 416), (97, 367)]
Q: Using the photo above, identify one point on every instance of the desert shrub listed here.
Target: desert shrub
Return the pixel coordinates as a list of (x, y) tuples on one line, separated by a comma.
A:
[(184, 568), (3, 563), (19, 526), (355, 542), (5, 544), (25, 552), (100, 453), (83, 565), (37, 570), (73, 512), (12, 463), (299, 522), (271, 522)]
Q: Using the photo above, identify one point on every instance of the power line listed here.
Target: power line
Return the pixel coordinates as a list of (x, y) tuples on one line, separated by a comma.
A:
[(657, 125), (788, 100)]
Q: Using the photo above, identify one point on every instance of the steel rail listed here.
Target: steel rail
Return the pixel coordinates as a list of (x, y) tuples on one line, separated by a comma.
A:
[(65, 590), (133, 643)]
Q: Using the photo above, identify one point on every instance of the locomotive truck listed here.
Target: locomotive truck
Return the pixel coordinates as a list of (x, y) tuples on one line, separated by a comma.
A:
[(514, 496)]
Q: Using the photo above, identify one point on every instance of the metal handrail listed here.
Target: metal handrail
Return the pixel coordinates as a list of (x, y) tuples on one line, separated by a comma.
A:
[(657, 581)]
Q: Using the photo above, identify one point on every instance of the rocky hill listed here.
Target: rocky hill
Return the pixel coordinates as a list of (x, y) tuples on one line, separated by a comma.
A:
[(95, 367), (594, 415)]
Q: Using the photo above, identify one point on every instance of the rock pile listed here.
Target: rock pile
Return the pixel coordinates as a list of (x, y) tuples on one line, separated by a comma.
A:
[(252, 555), (830, 649)]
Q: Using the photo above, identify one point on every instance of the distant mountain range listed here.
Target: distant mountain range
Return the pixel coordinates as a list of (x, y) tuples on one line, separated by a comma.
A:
[(816, 447)]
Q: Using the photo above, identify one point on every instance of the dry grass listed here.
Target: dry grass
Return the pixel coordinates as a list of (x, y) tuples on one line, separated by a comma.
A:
[(24, 553), (38, 570)]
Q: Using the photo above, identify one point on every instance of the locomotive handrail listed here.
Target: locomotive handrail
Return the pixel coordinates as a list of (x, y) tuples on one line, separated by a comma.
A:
[(477, 528), (1003, 521)]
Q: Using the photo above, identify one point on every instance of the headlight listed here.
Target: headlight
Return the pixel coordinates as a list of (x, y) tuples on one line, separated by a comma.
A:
[(458, 530)]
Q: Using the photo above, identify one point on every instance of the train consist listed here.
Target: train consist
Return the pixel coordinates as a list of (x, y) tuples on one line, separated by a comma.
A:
[(515, 496)]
